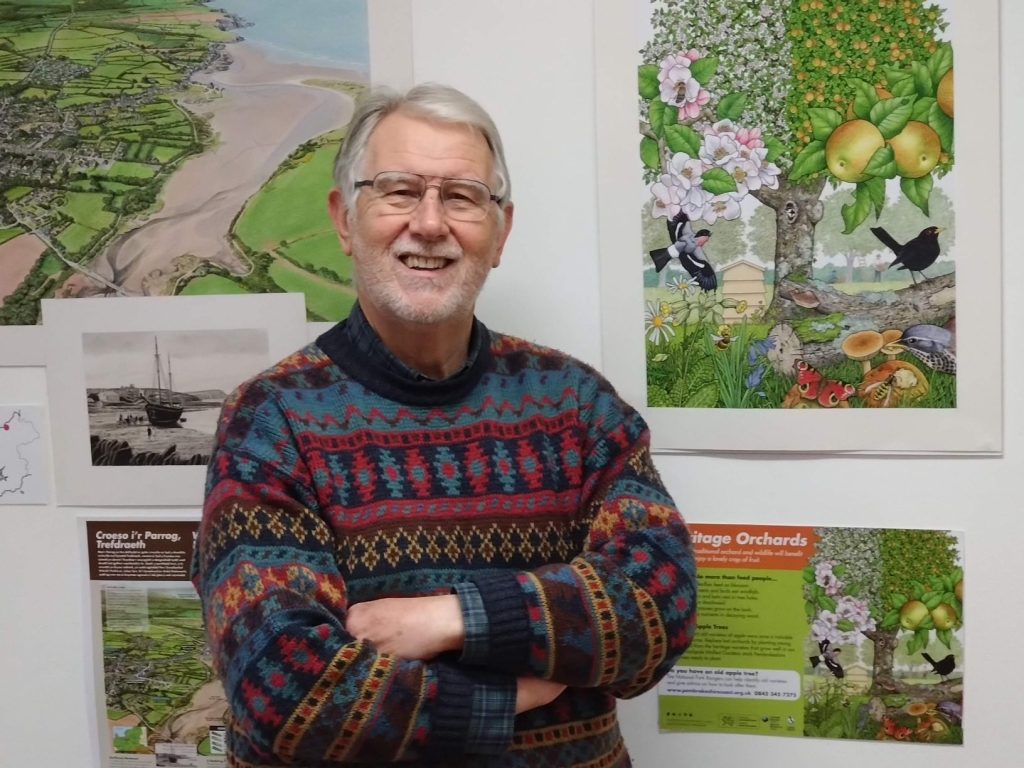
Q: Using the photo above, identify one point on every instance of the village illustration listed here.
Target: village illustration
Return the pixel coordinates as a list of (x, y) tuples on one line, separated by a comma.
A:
[(798, 231), (121, 126), (161, 693)]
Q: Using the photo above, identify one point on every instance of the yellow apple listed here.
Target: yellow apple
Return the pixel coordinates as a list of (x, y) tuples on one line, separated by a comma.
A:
[(912, 614), (958, 590), (944, 616), (944, 94), (850, 147), (916, 150)]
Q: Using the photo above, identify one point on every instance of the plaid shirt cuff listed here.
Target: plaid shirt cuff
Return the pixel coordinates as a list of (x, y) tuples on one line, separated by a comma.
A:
[(492, 717), (476, 643)]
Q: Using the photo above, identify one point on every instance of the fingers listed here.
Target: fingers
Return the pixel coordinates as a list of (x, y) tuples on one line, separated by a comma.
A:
[(533, 692)]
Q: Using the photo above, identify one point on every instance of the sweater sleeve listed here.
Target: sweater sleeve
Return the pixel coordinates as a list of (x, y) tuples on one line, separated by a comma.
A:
[(300, 688), (623, 610)]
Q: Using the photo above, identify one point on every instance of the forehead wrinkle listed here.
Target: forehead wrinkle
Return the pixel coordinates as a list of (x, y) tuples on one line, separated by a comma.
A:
[(447, 150)]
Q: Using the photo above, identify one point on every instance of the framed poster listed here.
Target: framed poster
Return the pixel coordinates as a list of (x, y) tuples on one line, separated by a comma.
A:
[(785, 197), (136, 387), (180, 148)]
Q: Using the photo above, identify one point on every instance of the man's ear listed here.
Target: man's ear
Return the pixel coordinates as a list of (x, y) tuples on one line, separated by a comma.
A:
[(339, 215), (509, 211)]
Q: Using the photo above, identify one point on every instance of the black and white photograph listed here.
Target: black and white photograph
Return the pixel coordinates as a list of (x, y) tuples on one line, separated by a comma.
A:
[(154, 398), (137, 384)]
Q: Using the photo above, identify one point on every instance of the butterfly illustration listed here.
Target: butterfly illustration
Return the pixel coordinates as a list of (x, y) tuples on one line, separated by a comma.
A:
[(813, 386), (898, 732)]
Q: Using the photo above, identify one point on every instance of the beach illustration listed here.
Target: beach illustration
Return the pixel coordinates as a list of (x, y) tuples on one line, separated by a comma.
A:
[(154, 398), (799, 238), (174, 147)]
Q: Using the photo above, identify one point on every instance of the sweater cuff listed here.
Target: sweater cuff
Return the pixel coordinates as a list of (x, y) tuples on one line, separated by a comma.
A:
[(475, 646), (508, 643), (475, 713)]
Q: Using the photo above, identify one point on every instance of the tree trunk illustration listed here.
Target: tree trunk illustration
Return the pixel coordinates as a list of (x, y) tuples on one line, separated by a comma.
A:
[(798, 208), (884, 682)]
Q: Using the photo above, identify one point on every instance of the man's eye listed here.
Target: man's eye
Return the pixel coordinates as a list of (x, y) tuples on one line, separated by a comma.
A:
[(402, 192), (462, 196)]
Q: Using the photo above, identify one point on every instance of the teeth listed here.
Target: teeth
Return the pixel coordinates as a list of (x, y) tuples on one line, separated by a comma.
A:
[(424, 262)]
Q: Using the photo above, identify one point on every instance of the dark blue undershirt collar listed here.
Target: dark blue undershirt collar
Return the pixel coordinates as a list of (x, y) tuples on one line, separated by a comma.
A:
[(356, 347)]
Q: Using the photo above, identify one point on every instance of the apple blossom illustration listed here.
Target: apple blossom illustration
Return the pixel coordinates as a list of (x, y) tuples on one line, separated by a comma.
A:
[(892, 598), (763, 105)]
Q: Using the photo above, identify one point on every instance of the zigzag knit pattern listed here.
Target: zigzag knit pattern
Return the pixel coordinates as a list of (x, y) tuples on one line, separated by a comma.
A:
[(527, 477)]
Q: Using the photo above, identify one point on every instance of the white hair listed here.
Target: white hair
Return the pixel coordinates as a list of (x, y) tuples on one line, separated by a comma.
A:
[(431, 101)]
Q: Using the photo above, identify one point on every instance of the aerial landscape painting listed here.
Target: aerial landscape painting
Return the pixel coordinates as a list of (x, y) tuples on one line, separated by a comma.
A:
[(174, 147)]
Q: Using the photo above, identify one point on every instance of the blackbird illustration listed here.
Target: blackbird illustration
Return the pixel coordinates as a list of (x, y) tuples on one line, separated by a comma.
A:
[(828, 658), (688, 247), (943, 667), (914, 255), (932, 345)]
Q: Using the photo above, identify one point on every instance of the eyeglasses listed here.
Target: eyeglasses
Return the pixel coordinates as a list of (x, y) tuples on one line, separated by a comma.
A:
[(401, 192)]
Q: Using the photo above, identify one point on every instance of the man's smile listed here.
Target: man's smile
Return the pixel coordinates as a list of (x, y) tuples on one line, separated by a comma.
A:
[(415, 261)]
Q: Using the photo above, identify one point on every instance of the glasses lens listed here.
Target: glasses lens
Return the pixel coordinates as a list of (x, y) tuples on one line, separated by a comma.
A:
[(465, 199), (401, 191)]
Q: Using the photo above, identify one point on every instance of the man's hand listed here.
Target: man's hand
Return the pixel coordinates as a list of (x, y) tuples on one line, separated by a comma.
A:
[(411, 627), (533, 692)]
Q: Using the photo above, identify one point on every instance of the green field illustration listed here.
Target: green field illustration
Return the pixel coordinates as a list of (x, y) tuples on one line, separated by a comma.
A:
[(151, 148), (158, 681)]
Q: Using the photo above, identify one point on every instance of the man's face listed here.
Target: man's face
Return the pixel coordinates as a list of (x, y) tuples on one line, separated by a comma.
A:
[(420, 267)]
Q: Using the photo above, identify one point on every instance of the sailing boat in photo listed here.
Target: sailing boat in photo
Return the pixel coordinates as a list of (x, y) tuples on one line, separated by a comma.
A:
[(161, 409)]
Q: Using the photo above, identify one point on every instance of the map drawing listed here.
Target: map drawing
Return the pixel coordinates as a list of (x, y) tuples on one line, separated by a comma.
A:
[(23, 464), (161, 691), (173, 147)]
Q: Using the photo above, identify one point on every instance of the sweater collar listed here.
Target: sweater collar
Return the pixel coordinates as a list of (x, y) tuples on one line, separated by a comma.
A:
[(357, 349)]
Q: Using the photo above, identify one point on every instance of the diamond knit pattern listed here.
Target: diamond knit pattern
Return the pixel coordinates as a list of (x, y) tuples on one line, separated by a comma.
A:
[(529, 479)]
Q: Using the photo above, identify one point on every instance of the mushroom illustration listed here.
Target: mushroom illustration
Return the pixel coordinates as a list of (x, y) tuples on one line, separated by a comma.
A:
[(805, 299), (891, 347), (891, 384), (862, 346)]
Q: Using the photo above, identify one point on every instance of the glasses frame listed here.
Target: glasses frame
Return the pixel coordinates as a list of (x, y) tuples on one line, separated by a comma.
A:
[(442, 179)]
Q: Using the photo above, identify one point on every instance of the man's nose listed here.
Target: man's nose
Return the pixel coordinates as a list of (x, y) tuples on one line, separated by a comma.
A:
[(428, 219)]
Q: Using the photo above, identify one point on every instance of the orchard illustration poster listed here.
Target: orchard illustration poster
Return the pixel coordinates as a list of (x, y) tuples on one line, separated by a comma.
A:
[(799, 198), (846, 633)]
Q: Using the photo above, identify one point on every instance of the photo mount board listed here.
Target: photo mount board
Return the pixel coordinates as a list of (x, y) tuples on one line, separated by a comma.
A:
[(78, 482), (973, 427)]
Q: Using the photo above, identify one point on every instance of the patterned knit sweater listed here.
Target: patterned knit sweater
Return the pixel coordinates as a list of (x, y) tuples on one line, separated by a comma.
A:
[(523, 483)]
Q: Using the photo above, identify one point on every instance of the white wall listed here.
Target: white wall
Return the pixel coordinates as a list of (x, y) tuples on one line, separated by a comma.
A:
[(530, 64)]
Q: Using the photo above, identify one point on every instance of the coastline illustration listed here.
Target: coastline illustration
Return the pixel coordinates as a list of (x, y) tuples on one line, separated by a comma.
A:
[(155, 398), (156, 150)]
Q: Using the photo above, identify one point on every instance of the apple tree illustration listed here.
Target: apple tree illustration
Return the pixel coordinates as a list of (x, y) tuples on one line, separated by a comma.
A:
[(774, 99), (900, 589)]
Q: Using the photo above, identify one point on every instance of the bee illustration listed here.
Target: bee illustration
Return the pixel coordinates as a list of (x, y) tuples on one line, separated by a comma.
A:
[(724, 337), (881, 391)]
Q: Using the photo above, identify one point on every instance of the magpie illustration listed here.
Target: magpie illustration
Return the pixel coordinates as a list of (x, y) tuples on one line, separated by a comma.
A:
[(916, 254), (688, 247), (828, 658), (943, 667)]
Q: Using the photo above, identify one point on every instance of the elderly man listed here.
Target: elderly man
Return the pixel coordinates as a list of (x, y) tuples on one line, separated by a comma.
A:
[(425, 542)]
